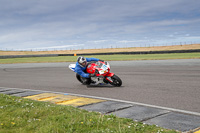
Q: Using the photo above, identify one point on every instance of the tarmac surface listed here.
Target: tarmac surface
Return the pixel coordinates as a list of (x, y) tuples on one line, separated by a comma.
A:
[(157, 88)]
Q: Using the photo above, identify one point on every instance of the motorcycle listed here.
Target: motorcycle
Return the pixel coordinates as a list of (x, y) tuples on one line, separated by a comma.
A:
[(102, 72)]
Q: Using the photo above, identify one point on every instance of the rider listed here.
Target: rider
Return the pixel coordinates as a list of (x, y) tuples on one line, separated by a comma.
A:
[(81, 65)]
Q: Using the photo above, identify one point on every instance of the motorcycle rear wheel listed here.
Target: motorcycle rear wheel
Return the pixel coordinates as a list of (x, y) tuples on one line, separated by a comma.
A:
[(116, 81), (83, 80), (79, 78)]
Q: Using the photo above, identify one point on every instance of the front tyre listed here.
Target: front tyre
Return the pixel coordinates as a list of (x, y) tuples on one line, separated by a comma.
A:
[(116, 81)]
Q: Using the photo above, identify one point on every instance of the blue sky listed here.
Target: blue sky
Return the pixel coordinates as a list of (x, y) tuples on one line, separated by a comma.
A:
[(84, 24)]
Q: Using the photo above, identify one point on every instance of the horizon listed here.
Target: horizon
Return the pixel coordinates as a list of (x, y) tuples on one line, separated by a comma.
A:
[(147, 47)]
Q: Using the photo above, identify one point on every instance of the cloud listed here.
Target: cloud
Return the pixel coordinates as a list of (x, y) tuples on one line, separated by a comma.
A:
[(29, 24), (52, 48)]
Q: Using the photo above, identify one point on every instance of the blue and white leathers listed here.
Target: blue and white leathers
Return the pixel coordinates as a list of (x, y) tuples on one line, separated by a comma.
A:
[(81, 70)]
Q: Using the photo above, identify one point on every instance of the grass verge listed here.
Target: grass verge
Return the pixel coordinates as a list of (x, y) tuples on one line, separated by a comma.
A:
[(104, 57), (25, 115)]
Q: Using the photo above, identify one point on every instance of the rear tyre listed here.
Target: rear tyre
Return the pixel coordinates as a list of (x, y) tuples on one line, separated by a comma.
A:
[(79, 78), (85, 81), (116, 81)]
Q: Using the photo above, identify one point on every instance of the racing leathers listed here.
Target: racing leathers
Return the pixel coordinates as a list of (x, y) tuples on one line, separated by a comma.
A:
[(82, 70)]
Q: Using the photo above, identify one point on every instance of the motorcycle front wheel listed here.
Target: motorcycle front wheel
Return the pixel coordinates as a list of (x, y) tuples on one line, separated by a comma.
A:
[(116, 81)]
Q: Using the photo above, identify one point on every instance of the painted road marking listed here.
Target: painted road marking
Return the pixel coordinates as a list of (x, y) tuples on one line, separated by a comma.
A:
[(117, 100), (81, 101), (60, 99), (64, 99), (197, 131), (43, 96)]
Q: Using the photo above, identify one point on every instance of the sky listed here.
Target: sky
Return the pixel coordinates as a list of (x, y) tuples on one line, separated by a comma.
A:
[(88, 24)]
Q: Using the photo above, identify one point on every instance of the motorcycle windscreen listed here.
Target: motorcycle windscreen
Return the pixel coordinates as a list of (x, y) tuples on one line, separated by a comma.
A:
[(103, 68), (72, 67)]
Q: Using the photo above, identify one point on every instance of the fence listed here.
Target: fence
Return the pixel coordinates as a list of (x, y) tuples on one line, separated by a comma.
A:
[(112, 53), (123, 45)]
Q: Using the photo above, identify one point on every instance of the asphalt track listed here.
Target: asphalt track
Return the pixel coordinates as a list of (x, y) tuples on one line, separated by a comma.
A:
[(167, 83)]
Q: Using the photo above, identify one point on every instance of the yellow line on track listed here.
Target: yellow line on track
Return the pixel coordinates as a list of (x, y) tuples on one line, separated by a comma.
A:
[(64, 99), (197, 131), (81, 101)]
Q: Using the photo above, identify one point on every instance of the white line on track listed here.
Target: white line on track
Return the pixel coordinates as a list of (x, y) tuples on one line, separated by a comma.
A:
[(117, 100)]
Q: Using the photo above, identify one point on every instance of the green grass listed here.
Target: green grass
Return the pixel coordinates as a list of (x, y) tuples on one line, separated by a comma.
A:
[(103, 57), (151, 56), (28, 116)]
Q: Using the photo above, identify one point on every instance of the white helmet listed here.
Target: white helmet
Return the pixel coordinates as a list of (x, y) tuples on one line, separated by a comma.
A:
[(82, 61)]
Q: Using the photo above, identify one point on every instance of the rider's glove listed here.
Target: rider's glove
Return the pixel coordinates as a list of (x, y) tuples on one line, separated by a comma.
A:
[(92, 75)]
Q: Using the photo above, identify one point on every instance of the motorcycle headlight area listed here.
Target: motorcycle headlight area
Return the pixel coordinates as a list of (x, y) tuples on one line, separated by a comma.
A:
[(108, 65), (102, 71)]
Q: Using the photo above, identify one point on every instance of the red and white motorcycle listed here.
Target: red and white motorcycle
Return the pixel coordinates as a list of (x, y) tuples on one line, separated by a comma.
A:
[(103, 74)]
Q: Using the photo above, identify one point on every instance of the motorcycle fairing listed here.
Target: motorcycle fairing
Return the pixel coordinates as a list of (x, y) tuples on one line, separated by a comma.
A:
[(72, 67)]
